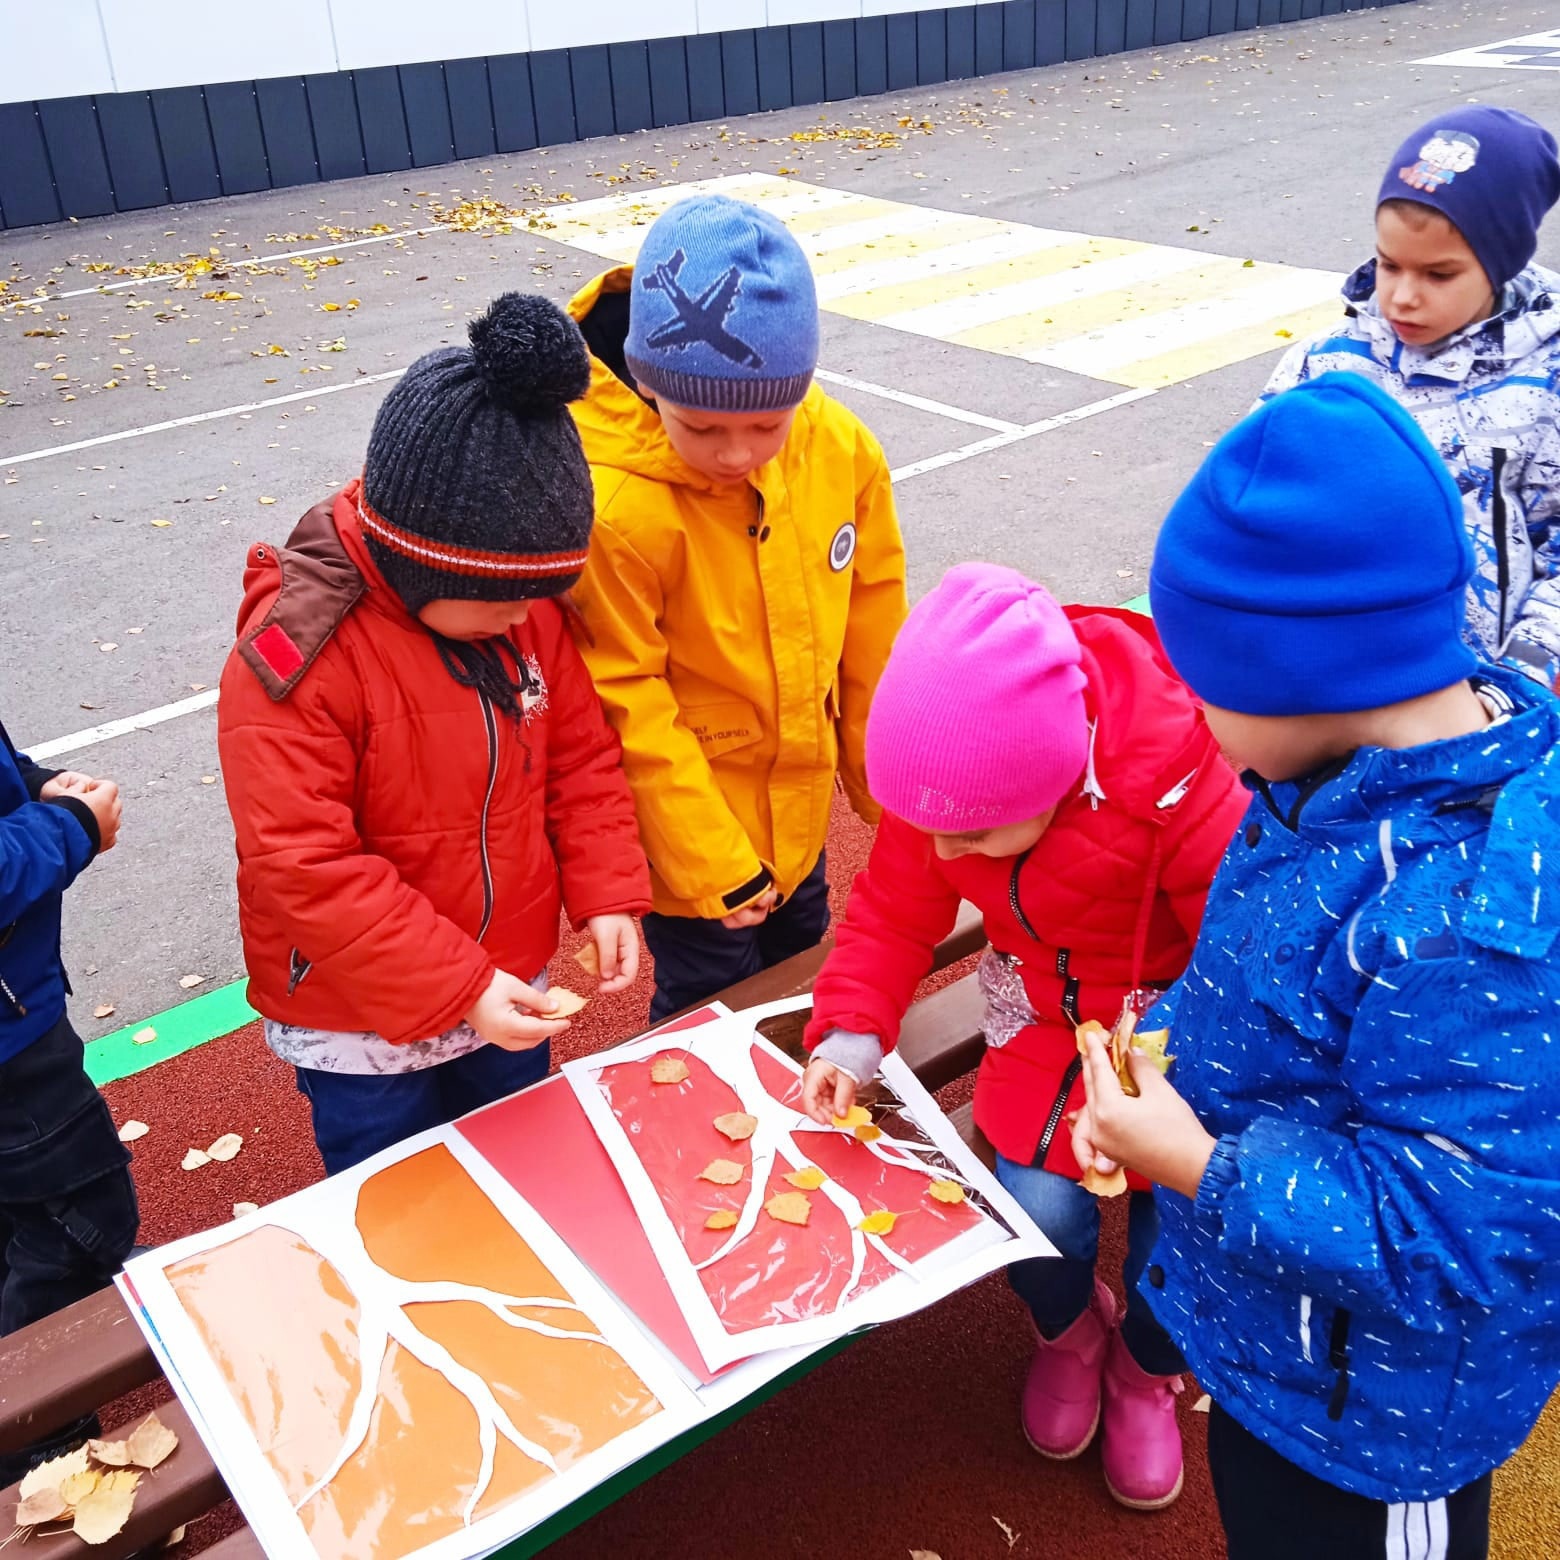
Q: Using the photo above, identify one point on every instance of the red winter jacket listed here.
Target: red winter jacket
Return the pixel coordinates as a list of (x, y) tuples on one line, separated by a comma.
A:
[(398, 837), (1109, 899)]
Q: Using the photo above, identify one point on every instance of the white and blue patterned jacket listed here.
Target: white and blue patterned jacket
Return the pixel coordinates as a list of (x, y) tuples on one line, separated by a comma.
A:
[(1488, 398), (1369, 1277)]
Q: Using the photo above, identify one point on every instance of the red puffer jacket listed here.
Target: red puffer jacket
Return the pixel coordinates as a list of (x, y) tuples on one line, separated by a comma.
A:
[(398, 837), (1110, 898)]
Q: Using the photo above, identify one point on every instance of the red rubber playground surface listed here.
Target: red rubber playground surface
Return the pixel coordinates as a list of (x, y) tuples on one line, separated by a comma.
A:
[(908, 1440)]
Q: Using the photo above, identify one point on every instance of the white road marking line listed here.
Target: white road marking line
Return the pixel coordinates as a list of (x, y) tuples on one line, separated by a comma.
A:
[(1008, 433), (920, 402), (197, 417), (988, 249), (43, 751)]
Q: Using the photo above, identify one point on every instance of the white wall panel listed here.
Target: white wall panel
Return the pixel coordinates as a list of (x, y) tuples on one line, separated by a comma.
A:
[(564, 24), (783, 11), (151, 47), (53, 51), (390, 32), (728, 15), (890, 7)]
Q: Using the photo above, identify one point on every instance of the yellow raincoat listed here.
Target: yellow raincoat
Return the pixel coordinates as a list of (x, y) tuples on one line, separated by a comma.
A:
[(736, 634)]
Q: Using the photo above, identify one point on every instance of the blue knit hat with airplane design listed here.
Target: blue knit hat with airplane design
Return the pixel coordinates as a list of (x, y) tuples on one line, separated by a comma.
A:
[(723, 313)]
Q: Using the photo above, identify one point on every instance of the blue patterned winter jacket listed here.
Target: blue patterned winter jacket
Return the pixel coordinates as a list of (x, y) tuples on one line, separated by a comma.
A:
[(1369, 1277), (1488, 399)]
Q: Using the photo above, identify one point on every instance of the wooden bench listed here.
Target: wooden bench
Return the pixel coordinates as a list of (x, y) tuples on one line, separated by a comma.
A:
[(75, 1362)]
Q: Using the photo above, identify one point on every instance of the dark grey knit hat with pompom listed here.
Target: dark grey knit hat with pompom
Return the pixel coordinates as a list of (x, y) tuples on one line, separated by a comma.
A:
[(475, 485)]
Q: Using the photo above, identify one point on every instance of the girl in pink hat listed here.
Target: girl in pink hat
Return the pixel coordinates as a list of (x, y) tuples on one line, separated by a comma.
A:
[(1046, 764)]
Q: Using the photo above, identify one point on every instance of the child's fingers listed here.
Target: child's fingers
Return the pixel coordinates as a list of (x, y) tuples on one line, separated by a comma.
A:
[(844, 1093)]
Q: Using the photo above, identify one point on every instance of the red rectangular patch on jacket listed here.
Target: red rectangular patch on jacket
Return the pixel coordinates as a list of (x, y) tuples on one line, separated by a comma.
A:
[(274, 646)]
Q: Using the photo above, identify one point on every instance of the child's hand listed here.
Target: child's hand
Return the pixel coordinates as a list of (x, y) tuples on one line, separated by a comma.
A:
[(617, 950), (1155, 1134), (65, 782), (826, 1092), (754, 914), (102, 796), (506, 1014)]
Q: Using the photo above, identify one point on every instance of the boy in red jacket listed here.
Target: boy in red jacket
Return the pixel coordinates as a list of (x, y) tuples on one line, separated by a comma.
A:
[(417, 765), (1048, 766)]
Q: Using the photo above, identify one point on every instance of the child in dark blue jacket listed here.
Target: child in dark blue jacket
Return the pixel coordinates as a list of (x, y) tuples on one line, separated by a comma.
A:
[(1358, 1151), (67, 1206)]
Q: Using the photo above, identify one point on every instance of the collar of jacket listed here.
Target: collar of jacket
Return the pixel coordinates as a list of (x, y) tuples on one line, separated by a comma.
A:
[(1527, 317)]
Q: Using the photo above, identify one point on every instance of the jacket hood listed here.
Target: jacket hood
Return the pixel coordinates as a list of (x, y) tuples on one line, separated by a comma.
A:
[(1142, 749), (1528, 318)]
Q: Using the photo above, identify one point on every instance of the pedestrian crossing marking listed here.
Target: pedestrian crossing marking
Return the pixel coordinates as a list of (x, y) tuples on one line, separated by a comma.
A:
[(1534, 51), (1119, 310)]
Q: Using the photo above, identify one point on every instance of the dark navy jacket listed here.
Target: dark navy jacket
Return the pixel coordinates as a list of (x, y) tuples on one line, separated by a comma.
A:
[(43, 845), (1369, 1277)]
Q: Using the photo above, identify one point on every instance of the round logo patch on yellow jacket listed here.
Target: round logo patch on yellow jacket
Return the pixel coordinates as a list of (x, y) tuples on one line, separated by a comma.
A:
[(843, 548)]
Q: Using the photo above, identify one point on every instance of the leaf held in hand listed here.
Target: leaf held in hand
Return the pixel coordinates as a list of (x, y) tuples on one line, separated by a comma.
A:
[(789, 1208), (867, 1133), (945, 1192), (880, 1222), (668, 1069), (808, 1179), (588, 959), (856, 1116), (569, 1003), (103, 1514), (1153, 1045), (225, 1148), (721, 1219), (152, 1443), (736, 1125), (1112, 1185), (723, 1172)]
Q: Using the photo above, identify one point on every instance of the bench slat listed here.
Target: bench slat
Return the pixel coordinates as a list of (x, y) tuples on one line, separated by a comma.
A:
[(941, 1037), (185, 1487)]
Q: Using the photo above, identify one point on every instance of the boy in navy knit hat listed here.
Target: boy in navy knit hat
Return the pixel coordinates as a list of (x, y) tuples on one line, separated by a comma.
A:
[(1357, 1153), (746, 580), (1454, 320)]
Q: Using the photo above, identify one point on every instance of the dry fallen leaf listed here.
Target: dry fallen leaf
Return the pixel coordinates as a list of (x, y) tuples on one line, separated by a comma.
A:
[(737, 1125), (721, 1219), (133, 1131), (267, 500), (52, 1474), (668, 1069), (242, 1210), (1203, 1404), (78, 1486), (144, 1036), (1101, 1185), (867, 1133), (880, 1222), (42, 1506), (569, 1002), (924, 1554), (856, 1116), (808, 1179), (194, 1160), (588, 959), (225, 1148), (1007, 1532), (152, 1443), (103, 1513), (190, 982), (789, 1208), (103, 1010), (945, 1192), (723, 1172), (112, 1454)]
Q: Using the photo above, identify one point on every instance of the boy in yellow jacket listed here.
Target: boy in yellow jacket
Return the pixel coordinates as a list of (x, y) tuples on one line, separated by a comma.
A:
[(745, 583)]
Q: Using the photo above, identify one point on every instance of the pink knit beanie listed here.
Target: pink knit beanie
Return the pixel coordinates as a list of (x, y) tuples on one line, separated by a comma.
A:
[(978, 721)]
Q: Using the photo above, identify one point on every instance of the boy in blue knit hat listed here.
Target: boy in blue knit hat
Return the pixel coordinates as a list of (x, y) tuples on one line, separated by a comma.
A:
[(1455, 322), (746, 580), (1357, 1152)]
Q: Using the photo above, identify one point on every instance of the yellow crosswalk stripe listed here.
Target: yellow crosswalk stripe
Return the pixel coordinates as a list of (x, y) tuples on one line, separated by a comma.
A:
[(1116, 309)]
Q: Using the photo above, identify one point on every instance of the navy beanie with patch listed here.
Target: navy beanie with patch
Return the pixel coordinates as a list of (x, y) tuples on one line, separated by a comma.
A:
[(1491, 172), (1318, 562), (723, 315)]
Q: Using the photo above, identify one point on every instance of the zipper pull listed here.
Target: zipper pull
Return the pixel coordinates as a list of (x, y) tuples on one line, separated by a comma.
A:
[(1177, 793), (13, 999)]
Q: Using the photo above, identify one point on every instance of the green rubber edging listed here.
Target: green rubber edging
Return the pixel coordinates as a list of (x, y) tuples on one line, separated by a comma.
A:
[(180, 1029)]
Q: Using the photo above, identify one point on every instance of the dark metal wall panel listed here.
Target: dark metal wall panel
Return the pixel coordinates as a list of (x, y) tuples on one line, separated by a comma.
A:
[(1221, 15), (1018, 34), (76, 155), (1167, 21), (189, 157), (988, 39), (1194, 20), (1247, 14), (338, 137), (27, 193), (961, 43), (1269, 11), (774, 67), (135, 167), (630, 68), (1051, 32), (234, 117), (839, 60), (669, 81), (872, 54), (387, 147), (553, 96), (1109, 29), (1140, 24), (931, 47), (426, 105), (1289, 11), (590, 70), (514, 114), (739, 71), (472, 120), (903, 48), (807, 62), (706, 76), (289, 137)]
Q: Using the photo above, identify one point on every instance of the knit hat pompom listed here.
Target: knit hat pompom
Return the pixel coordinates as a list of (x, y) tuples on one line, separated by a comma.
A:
[(530, 355)]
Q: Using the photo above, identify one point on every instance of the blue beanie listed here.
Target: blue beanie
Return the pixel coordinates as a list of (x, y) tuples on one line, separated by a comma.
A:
[(723, 314), (1318, 561), (1491, 172)]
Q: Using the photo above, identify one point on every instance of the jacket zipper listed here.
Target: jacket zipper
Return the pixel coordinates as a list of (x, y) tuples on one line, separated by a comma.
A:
[(11, 997), (1058, 1105), (491, 722), (1338, 1358), (1502, 540)]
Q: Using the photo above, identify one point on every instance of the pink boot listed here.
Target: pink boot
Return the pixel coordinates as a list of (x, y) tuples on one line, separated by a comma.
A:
[(1061, 1406), (1142, 1448)]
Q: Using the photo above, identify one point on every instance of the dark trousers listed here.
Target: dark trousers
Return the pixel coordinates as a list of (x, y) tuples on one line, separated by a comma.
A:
[(695, 959), (358, 1114), (1273, 1510), (68, 1213)]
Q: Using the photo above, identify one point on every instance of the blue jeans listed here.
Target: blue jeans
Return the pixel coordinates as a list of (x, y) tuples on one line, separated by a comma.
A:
[(1057, 1291), (696, 959), (358, 1114)]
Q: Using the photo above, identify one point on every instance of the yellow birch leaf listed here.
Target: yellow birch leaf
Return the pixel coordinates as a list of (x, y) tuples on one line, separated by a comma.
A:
[(721, 1219), (807, 1180), (789, 1208), (668, 1069), (867, 1133), (569, 1003), (856, 1116), (46, 1505), (1153, 1045), (151, 1442), (78, 1486), (103, 1514), (588, 959), (945, 1192), (331, 308), (52, 1474), (737, 1125), (1103, 1185), (162, 525), (880, 1222), (112, 1454), (723, 1172)]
